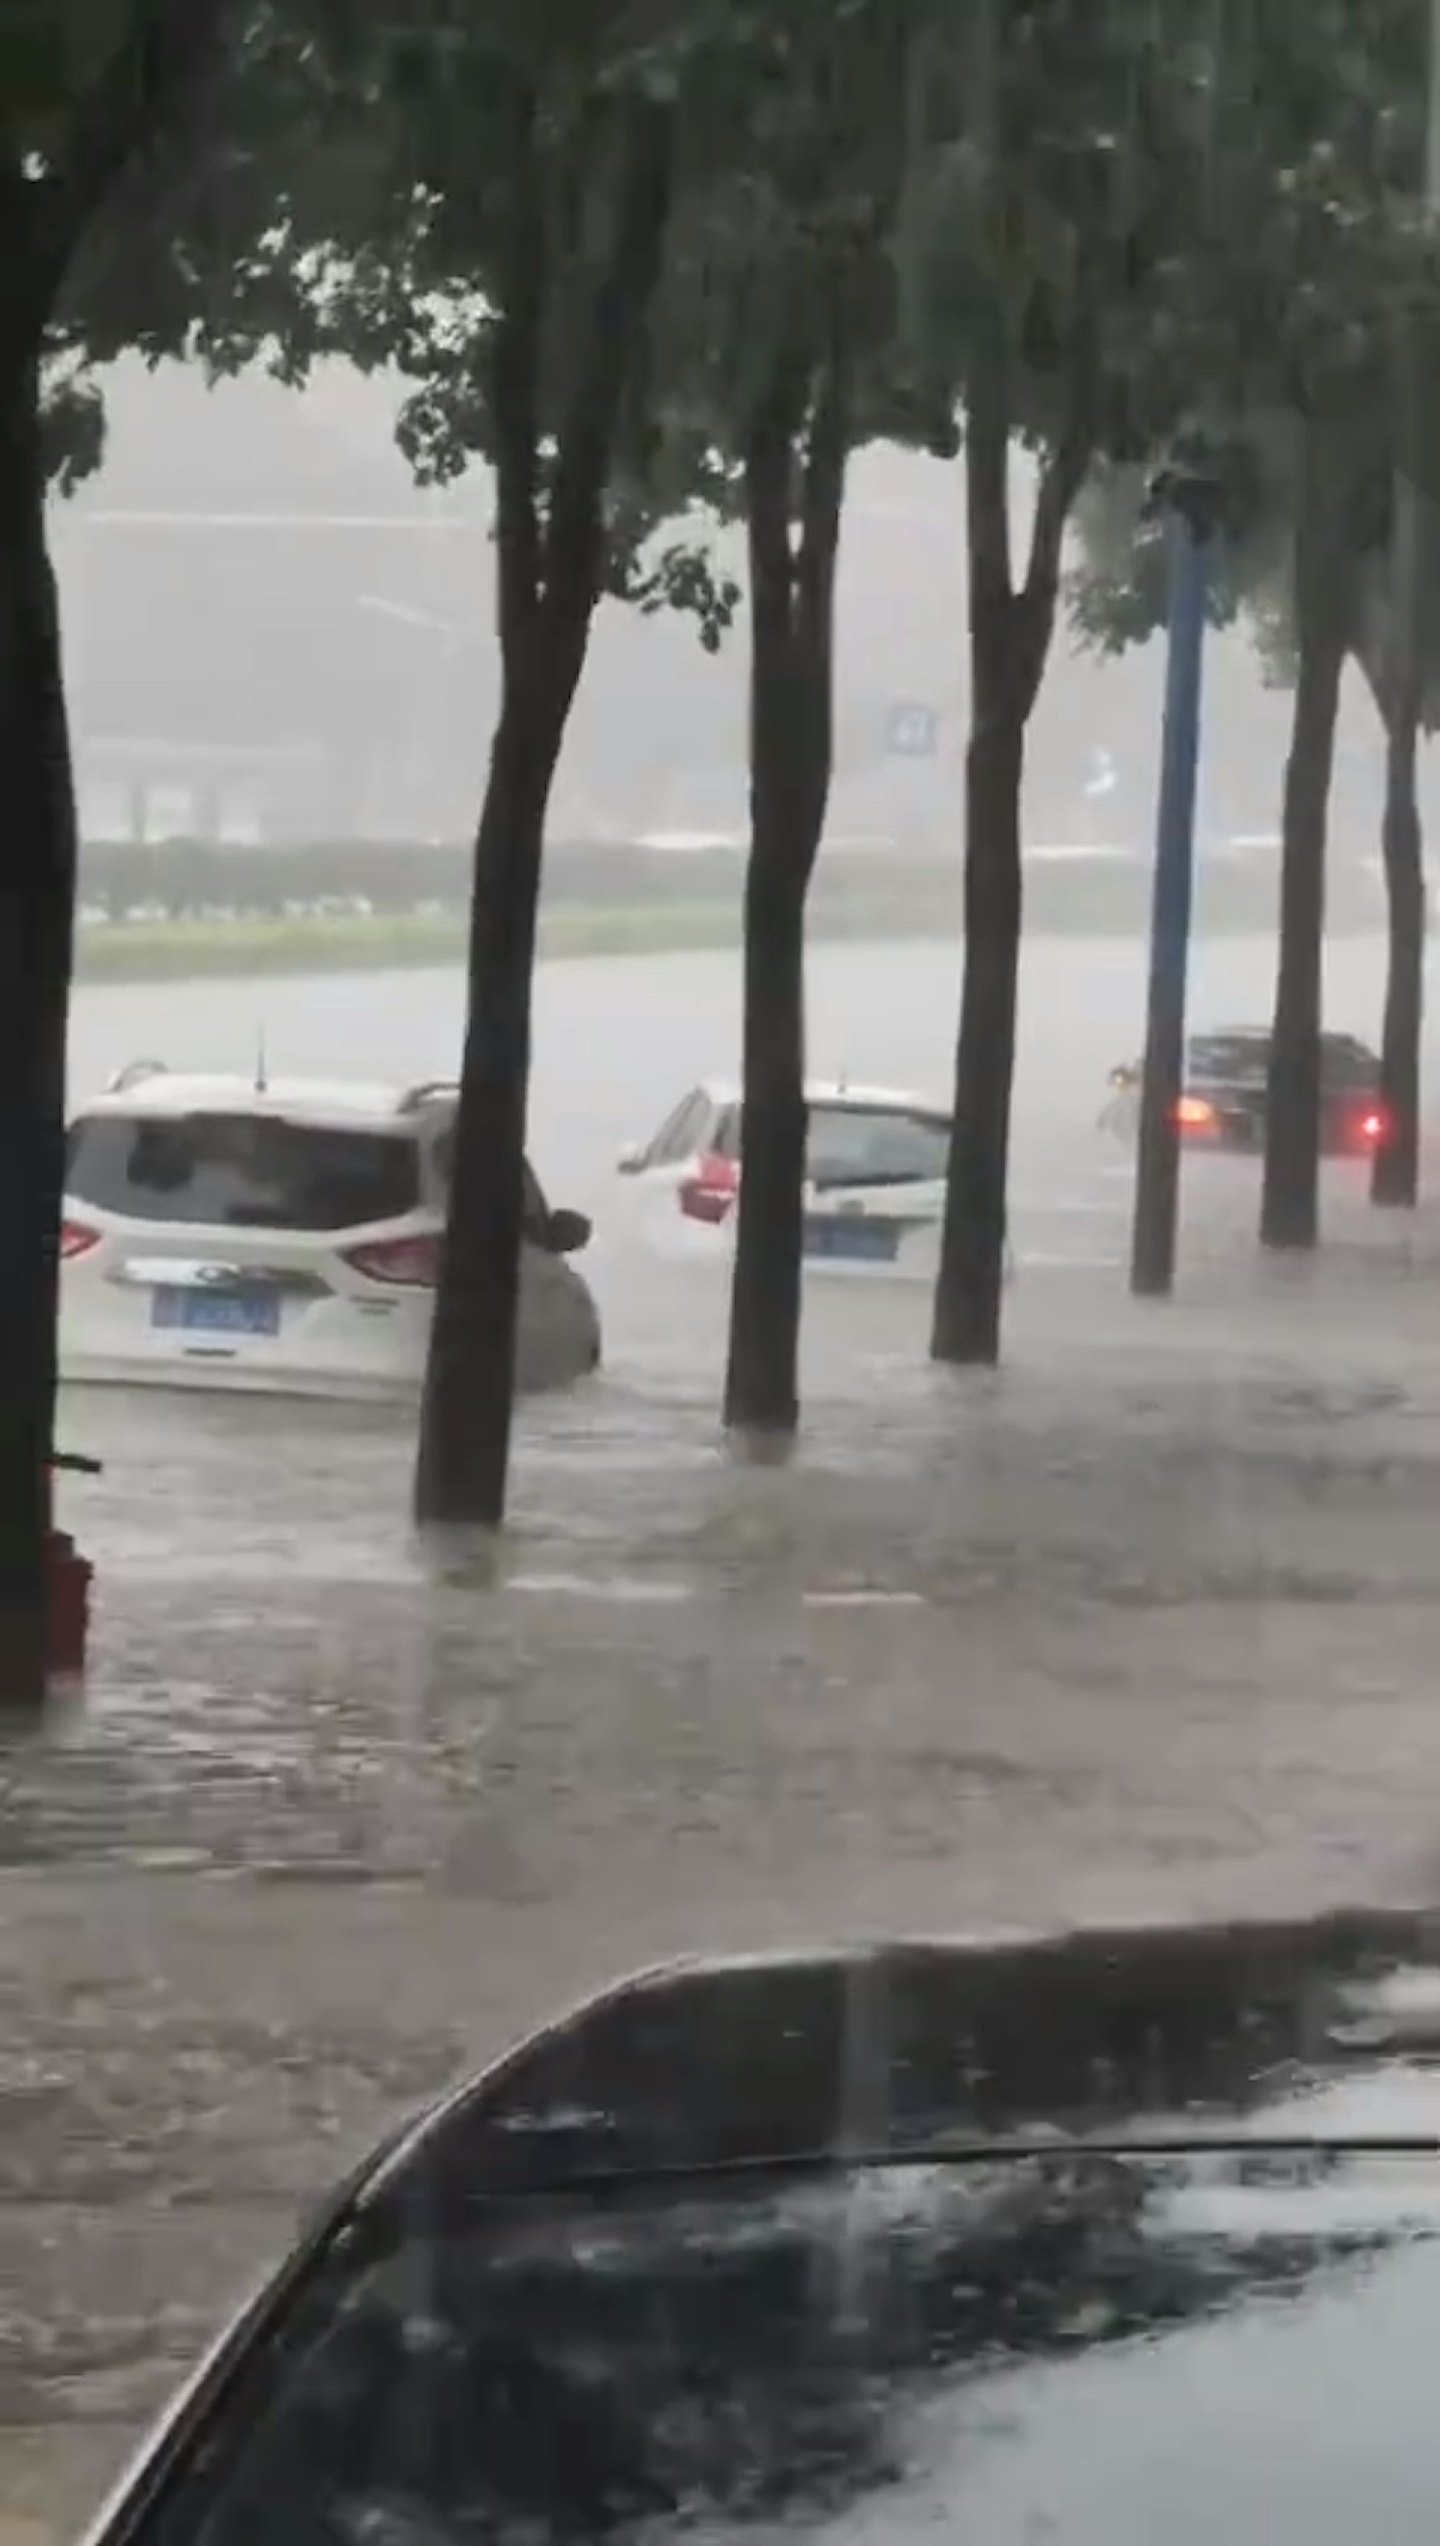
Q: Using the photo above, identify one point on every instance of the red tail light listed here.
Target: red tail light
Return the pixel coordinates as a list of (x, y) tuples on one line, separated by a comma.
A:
[(709, 1194), (76, 1239), (1195, 1114), (1374, 1127), (406, 1264)]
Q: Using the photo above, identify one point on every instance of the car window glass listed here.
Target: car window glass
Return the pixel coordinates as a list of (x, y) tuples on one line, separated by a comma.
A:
[(681, 1135), (871, 1145), (242, 1171), (1240, 1060), (1344, 1062)]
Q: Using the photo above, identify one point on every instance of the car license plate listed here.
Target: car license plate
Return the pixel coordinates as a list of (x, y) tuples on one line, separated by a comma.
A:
[(857, 1240), (217, 1312)]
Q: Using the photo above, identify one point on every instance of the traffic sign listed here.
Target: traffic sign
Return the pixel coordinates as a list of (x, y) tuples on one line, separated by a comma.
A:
[(912, 731)]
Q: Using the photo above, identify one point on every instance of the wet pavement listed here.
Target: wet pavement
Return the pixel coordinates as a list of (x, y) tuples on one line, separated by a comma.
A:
[(1144, 1627)]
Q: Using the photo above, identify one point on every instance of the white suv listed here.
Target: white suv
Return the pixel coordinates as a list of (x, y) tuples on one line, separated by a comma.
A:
[(283, 1236)]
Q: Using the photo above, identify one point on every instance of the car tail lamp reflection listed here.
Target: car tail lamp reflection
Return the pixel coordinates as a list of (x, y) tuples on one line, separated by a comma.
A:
[(1195, 1114), (76, 1239), (406, 1264), (709, 1194)]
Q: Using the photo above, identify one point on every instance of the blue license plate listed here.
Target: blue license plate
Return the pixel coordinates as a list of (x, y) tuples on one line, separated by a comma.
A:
[(217, 1312), (858, 1241)]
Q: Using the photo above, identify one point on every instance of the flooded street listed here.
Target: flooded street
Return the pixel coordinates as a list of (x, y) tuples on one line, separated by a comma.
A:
[(1142, 1627)]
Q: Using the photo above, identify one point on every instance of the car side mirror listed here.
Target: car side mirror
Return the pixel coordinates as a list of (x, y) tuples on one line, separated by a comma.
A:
[(569, 1232), (630, 1159)]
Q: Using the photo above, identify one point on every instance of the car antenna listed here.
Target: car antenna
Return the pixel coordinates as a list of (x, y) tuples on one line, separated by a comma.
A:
[(262, 1075)]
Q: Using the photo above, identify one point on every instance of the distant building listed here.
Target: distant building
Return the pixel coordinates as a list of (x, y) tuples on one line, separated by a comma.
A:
[(272, 633), (266, 630)]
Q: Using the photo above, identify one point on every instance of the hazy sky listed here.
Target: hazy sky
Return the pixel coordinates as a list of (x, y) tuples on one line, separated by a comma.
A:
[(659, 730)]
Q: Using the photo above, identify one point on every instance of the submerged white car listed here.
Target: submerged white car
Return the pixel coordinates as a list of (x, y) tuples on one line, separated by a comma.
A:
[(875, 1176), (283, 1236)]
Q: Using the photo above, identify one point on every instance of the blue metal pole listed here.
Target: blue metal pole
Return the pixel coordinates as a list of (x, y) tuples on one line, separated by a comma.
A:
[(1157, 1179)]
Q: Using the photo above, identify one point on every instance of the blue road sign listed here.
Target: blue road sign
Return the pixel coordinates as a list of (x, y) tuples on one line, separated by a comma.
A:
[(912, 731)]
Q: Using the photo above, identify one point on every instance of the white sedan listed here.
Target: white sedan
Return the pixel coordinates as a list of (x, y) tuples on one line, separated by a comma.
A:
[(875, 1177), (283, 1236)]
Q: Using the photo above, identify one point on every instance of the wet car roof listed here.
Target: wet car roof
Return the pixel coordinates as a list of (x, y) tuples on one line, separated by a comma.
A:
[(591, 2279)]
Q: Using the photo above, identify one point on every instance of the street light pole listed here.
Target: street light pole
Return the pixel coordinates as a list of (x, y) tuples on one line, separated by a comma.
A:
[(1184, 496)]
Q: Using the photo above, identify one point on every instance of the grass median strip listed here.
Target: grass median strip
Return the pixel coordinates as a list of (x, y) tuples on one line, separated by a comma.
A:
[(194, 949), (186, 949)]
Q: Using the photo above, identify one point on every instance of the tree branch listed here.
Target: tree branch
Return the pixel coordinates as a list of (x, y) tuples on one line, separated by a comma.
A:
[(515, 378), (164, 54), (575, 536), (822, 504), (1061, 479), (823, 489), (1064, 473), (987, 465), (769, 465)]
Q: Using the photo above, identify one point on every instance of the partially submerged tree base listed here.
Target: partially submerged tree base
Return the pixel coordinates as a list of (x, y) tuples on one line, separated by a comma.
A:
[(755, 1446), (462, 1559), (24, 1662)]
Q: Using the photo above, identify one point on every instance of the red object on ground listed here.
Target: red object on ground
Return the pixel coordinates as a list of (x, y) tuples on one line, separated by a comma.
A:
[(70, 1577)]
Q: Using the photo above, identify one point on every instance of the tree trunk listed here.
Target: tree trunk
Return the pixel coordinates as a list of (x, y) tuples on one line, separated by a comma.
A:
[(1289, 1215), (1010, 638), (464, 1454), (762, 1392), (792, 618), (1395, 1174), (548, 584), (762, 1382), (37, 895), (972, 1251)]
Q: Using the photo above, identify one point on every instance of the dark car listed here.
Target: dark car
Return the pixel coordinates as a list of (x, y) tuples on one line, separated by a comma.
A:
[(1226, 1077), (1103, 2239)]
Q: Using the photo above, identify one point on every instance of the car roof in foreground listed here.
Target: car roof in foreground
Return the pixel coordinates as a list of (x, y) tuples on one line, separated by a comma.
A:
[(165, 1096)]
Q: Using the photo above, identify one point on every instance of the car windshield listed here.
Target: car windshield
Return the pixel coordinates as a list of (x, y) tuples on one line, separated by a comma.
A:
[(875, 1145), (1345, 1063), (241, 1171), (1236, 1060), (869, 2358)]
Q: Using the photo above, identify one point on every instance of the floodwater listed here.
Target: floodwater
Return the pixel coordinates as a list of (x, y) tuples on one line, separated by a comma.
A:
[(1142, 1627)]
